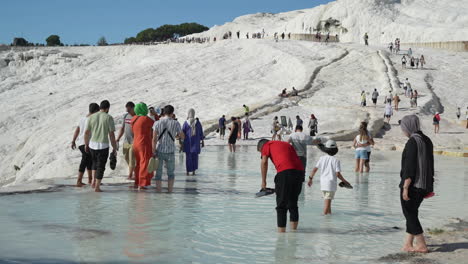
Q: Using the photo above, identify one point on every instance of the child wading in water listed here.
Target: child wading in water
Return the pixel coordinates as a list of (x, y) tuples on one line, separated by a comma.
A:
[(330, 169)]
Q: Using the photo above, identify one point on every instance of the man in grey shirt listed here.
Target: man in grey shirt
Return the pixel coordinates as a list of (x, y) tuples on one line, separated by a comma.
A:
[(126, 131), (165, 132), (299, 141)]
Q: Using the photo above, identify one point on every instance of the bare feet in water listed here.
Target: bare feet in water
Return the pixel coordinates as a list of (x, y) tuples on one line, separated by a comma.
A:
[(407, 249), (80, 184)]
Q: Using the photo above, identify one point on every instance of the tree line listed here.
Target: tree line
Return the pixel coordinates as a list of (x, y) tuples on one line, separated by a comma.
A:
[(166, 32), (161, 33)]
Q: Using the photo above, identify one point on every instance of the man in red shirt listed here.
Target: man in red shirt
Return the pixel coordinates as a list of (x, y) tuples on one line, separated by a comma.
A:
[(288, 180)]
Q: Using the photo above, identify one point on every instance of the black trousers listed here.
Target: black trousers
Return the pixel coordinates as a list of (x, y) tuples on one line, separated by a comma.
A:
[(288, 185), (86, 160), (99, 158), (411, 209)]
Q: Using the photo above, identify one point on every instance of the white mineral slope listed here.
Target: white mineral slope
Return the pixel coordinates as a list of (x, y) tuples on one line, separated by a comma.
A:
[(383, 20), (46, 95)]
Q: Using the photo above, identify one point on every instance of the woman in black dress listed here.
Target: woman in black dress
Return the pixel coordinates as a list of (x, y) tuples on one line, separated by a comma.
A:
[(233, 135), (417, 180)]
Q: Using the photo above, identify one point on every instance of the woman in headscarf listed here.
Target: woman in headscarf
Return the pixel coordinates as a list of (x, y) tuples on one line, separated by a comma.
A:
[(193, 141), (417, 180), (247, 127), (142, 145)]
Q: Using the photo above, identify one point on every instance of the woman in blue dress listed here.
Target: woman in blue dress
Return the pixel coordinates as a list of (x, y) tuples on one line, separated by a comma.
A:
[(193, 141)]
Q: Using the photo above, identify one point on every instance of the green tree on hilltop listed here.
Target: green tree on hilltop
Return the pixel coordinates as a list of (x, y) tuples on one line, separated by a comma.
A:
[(102, 41), (53, 40)]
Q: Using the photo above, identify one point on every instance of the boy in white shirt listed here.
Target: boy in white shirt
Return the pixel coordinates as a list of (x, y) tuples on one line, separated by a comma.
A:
[(330, 169)]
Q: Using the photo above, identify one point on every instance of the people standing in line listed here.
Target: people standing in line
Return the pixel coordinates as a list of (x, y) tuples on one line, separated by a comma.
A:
[(247, 127), (246, 110), (327, 38), (396, 100), (369, 146), (313, 125), (193, 141), (86, 160), (165, 132), (222, 127), (142, 128), (126, 131), (299, 140), (417, 181), (458, 113), (375, 96), (247, 35), (403, 62), (435, 122), (422, 60), (233, 134), (99, 131), (388, 112), (238, 34), (416, 60), (288, 180), (330, 168), (360, 143), (389, 98), (275, 129), (282, 36), (299, 121), (363, 99), (289, 35), (366, 39), (412, 62)]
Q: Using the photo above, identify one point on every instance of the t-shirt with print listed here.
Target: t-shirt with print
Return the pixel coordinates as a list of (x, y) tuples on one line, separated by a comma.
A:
[(283, 156), (328, 166), (128, 133), (100, 125), (82, 125), (171, 129), (299, 141)]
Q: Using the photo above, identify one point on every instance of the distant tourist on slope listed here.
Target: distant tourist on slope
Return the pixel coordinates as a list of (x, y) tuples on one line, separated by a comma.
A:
[(288, 180), (239, 132), (194, 140), (233, 134), (284, 93), (412, 63), (275, 129), (396, 101), (390, 47), (422, 60), (86, 160), (388, 112), (388, 98), (126, 131), (247, 127), (416, 60), (435, 122), (410, 52), (246, 109), (141, 126), (403, 62), (222, 126), (417, 180), (363, 99), (294, 91), (330, 172), (299, 121), (366, 39), (375, 96), (313, 124), (99, 131), (458, 113)]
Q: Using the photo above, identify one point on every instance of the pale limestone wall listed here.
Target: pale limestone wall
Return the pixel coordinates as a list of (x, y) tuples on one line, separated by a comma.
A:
[(448, 45)]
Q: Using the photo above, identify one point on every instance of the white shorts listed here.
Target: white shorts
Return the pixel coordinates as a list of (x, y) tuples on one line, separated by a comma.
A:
[(328, 195)]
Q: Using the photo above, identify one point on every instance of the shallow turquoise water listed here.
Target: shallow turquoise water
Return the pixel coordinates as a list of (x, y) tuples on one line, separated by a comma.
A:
[(214, 217)]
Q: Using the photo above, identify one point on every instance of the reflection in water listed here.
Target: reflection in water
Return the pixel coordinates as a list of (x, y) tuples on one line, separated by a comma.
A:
[(286, 248), (138, 234)]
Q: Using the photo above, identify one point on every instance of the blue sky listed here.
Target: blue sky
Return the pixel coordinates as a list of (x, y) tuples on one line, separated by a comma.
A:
[(84, 21)]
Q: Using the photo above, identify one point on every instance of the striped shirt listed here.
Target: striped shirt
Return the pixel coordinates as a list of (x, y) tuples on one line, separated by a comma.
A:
[(166, 144)]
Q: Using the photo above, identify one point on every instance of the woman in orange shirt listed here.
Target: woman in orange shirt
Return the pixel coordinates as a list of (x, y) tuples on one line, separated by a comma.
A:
[(142, 148)]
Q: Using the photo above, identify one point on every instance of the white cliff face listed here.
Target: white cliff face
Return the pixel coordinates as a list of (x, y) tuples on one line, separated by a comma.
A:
[(383, 20)]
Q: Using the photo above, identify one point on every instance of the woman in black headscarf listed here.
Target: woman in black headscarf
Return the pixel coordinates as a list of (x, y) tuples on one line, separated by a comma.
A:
[(417, 180)]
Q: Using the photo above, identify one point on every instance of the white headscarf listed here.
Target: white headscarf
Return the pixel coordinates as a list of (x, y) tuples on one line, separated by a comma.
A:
[(192, 121)]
